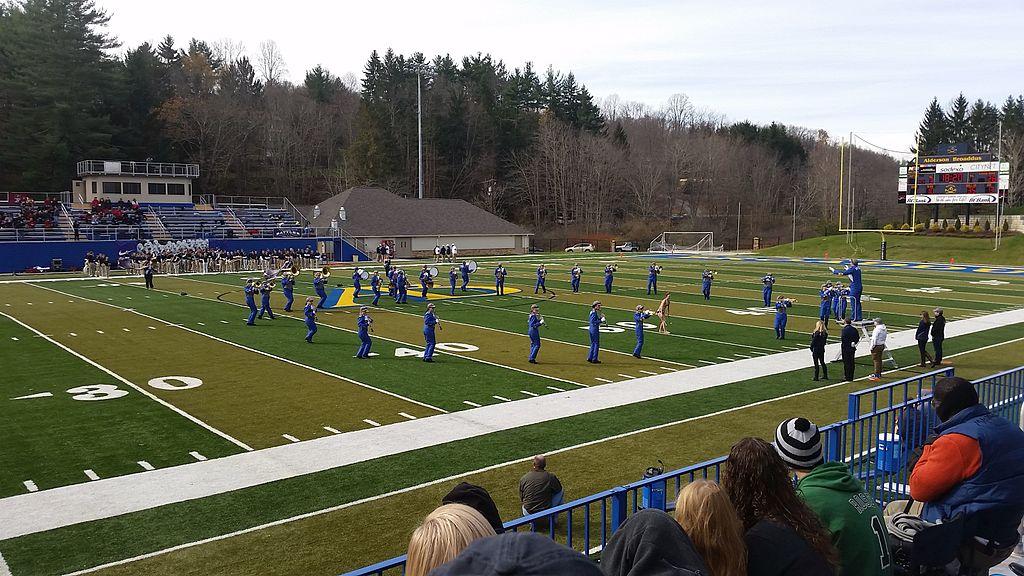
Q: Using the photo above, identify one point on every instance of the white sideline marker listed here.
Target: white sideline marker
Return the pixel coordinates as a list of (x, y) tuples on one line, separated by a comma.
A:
[(707, 362), (605, 380), (126, 330), (502, 398), (50, 302), (555, 388), (742, 355), (200, 323), (223, 321), (91, 475), (152, 327), (72, 334), (15, 338), (473, 404), (372, 423), (332, 430), (648, 372), (30, 486), (724, 358), (404, 415), (289, 437), (627, 376), (528, 393), (99, 331), (197, 456), (145, 465), (666, 368)]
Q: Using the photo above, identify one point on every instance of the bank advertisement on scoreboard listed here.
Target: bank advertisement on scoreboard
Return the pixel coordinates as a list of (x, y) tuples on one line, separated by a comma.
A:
[(951, 199)]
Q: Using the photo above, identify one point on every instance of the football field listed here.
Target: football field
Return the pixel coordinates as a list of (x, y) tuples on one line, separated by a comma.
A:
[(153, 431)]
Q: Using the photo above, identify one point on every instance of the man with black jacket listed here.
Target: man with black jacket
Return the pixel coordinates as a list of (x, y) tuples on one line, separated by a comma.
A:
[(938, 335), (848, 342)]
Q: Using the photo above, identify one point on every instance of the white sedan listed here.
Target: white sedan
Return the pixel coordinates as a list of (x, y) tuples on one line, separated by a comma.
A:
[(581, 247)]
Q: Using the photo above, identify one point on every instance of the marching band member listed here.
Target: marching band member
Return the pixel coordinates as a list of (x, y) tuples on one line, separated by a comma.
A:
[(706, 278), (576, 273), (856, 288), (595, 321), (609, 270), (429, 322), (424, 277), (781, 316), (844, 297), (310, 313), (453, 277), (391, 273), (464, 269), (652, 279), (265, 289), (147, 273), (375, 286), (401, 287), (319, 284), (639, 318), (542, 273), (769, 283), (250, 300), (499, 279), (363, 323), (837, 299), (288, 289), (663, 313), (355, 282), (533, 324), (826, 301)]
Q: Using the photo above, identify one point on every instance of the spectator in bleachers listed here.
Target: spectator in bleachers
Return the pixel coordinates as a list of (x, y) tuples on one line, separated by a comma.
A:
[(31, 215), (707, 515), (518, 554), (840, 501), (477, 498), (540, 489), (444, 533), (973, 466), (784, 537), (651, 543)]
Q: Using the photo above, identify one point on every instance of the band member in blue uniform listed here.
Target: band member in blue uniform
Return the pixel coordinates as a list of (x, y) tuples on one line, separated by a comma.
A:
[(609, 271), (288, 289), (401, 287), (453, 277), (363, 324), (429, 322), (856, 288), (575, 275), (781, 316), (265, 289), (639, 318), (837, 299), (594, 323), (533, 324), (319, 283), (147, 273), (499, 279), (826, 301), (375, 286), (706, 278), (464, 269), (391, 273), (844, 298), (769, 282), (542, 274), (310, 313), (652, 278), (250, 300), (424, 278), (356, 282)]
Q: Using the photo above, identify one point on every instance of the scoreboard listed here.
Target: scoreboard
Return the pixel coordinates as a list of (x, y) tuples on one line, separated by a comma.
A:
[(954, 179)]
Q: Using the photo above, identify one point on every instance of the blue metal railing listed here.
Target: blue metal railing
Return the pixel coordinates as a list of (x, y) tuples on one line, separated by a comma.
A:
[(586, 524)]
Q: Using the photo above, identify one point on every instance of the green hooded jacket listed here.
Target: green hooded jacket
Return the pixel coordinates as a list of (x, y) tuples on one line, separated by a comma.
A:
[(854, 519)]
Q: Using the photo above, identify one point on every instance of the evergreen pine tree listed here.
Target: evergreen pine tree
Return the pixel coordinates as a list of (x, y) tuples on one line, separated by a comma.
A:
[(957, 119), (934, 129)]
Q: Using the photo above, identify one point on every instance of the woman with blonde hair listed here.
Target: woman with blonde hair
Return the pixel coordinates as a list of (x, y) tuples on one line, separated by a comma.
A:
[(704, 510), (443, 534), (818, 340)]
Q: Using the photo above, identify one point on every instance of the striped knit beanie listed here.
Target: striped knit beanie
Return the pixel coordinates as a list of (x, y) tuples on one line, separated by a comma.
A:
[(798, 442)]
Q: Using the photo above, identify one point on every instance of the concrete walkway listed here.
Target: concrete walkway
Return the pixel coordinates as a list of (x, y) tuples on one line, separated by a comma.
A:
[(49, 509)]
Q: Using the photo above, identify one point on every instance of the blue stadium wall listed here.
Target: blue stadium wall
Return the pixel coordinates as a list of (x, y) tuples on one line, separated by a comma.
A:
[(20, 256)]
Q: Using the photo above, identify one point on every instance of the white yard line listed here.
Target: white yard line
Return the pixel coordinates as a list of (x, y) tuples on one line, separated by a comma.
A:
[(372, 423), (145, 465), (407, 416), (528, 393), (289, 438), (605, 380), (473, 404), (332, 430), (91, 475), (197, 456), (30, 486)]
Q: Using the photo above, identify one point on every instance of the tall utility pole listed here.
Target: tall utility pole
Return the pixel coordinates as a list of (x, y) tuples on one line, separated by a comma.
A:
[(739, 205), (419, 122)]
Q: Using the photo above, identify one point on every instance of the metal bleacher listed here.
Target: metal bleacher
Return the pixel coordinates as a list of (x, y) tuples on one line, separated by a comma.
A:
[(36, 234), (264, 222), (194, 221)]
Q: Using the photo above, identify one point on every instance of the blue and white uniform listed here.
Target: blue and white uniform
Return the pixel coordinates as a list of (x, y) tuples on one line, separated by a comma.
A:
[(265, 291), (706, 278), (575, 275), (499, 280), (826, 302), (288, 289), (837, 300), (319, 284), (638, 319), (464, 269), (391, 273), (652, 279), (363, 326), (453, 277), (401, 288), (375, 286), (250, 300), (594, 327), (424, 277), (844, 297), (310, 313), (769, 282), (856, 289), (781, 316), (429, 322), (533, 325), (541, 276), (609, 271), (355, 283)]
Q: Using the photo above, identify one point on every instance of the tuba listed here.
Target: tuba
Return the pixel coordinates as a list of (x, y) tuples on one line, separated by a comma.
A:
[(325, 272)]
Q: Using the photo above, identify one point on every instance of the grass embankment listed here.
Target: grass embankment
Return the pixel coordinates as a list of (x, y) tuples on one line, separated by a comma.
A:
[(910, 248)]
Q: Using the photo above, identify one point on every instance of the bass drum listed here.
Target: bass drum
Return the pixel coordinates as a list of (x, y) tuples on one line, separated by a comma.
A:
[(471, 265)]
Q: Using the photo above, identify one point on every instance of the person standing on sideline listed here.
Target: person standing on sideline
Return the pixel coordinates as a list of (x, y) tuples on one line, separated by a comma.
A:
[(453, 277), (437, 253), (856, 288), (652, 279), (265, 289), (499, 279), (878, 336), (533, 324), (147, 273), (375, 286), (356, 282), (596, 319), (609, 271), (818, 340), (464, 269), (825, 308), (319, 284), (782, 306), (540, 489), (706, 278), (769, 282), (848, 339), (250, 300), (575, 274), (429, 322), (424, 278), (921, 336), (838, 499), (288, 289), (638, 319), (363, 324), (542, 274), (938, 335), (310, 313)]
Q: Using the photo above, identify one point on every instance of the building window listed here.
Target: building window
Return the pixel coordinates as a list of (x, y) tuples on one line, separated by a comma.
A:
[(157, 188), (176, 189), (94, 187), (132, 188), (112, 188)]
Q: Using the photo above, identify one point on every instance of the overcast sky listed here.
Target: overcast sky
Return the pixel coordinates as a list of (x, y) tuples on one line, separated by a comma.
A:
[(864, 66)]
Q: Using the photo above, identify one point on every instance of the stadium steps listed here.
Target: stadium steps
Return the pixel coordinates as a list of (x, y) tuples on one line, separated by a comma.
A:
[(155, 226), (236, 224)]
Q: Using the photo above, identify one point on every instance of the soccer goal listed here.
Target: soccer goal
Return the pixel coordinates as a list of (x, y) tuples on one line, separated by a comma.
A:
[(673, 242)]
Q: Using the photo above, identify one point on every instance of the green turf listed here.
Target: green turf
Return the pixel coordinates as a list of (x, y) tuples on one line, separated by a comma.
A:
[(910, 248)]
